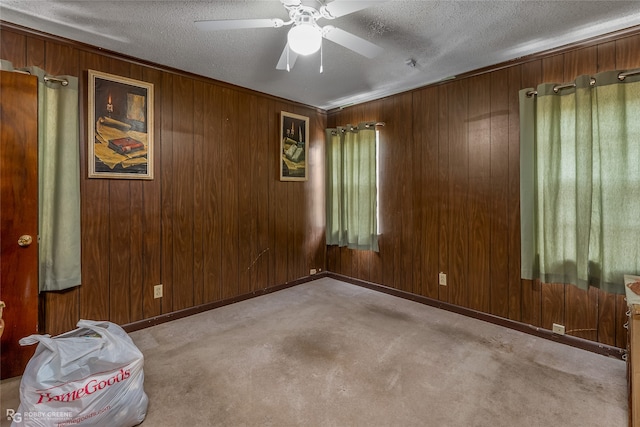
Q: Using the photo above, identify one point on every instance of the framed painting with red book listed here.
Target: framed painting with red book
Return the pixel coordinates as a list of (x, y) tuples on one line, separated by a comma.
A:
[(120, 115)]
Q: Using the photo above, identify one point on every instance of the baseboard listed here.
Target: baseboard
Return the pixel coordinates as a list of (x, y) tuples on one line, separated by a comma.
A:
[(581, 343), (163, 318)]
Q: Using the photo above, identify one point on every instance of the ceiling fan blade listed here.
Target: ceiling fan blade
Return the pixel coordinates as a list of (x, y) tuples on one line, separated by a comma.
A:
[(338, 8), (282, 63), (238, 24), (351, 41)]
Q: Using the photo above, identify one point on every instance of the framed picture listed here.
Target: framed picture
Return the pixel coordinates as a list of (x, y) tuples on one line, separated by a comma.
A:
[(120, 114), (294, 137)]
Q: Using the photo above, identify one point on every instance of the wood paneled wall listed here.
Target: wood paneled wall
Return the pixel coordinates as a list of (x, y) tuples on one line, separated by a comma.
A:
[(449, 195), (215, 223)]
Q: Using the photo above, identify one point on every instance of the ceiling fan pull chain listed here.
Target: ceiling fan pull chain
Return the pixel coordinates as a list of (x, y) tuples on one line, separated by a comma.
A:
[(288, 49), (321, 69)]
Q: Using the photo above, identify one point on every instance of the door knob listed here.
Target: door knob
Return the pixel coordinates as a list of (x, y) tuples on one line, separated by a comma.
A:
[(25, 240)]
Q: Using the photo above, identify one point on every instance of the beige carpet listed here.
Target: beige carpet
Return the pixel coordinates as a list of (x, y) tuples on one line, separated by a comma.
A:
[(327, 353)]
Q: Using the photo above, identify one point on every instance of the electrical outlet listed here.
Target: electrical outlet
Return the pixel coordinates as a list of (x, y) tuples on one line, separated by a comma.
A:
[(157, 291), (558, 329), (442, 279), (313, 271)]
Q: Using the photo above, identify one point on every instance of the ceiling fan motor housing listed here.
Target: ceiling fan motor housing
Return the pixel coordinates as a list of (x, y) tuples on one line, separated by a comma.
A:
[(302, 15), (305, 37)]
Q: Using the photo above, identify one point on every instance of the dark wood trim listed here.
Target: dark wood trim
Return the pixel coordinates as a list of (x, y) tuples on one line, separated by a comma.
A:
[(593, 41), (142, 324), (603, 38), (590, 42), (572, 341), (137, 61)]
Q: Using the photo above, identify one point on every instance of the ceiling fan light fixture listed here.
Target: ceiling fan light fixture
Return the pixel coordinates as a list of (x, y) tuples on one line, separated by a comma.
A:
[(305, 39)]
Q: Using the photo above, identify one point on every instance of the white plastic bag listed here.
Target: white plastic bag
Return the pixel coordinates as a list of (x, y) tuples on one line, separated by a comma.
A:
[(91, 376)]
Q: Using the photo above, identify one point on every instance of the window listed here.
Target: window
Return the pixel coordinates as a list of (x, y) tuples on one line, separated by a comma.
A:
[(352, 190), (580, 182)]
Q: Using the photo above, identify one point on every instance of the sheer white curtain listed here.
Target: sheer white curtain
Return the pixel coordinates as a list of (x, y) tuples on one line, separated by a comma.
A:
[(351, 187), (580, 181)]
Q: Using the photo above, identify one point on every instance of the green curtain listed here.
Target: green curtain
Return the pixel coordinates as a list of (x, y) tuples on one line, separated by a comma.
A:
[(580, 181), (351, 189), (58, 183)]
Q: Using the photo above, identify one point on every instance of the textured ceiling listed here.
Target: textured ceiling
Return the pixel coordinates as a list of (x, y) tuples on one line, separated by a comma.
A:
[(444, 38)]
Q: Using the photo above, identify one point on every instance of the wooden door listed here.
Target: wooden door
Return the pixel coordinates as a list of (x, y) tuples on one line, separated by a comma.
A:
[(19, 217)]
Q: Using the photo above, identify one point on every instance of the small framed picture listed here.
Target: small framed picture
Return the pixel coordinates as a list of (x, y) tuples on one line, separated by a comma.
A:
[(120, 114), (294, 137)]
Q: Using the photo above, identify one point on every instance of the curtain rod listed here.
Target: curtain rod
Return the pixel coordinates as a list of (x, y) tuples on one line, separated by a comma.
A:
[(63, 82), (558, 88), (352, 128), (367, 125)]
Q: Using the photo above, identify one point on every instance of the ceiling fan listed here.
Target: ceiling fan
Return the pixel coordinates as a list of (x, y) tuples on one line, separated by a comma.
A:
[(305, 36)]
